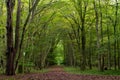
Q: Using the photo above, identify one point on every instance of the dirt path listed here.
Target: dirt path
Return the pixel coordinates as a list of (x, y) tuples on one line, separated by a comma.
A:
[(57, 73)]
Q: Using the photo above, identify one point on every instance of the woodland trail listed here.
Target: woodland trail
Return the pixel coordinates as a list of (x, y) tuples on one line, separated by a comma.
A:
[(57, 73)]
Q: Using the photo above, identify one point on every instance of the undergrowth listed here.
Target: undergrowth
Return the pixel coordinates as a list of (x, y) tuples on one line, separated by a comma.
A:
[(76, 70)]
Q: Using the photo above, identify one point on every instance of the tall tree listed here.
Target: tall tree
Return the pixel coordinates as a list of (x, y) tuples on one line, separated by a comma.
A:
[(80, 33), (97, 33), (114, 22), (10, 53), (17, 28), (108, 37), (12, 49), (31, 9), (83, 34)]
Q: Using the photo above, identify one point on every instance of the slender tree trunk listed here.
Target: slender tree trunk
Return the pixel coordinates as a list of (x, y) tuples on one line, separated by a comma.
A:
[(83, 34), (115, 59), (90, 51), (119, 60), (109, 49), (101, 27), (83, 65), (70, 54), (101, 22), (24, 30), (17, 30), (98, 35), (65, 53), (115, 38), (118, 51), (108, 44), (10, 48), (102, 65)]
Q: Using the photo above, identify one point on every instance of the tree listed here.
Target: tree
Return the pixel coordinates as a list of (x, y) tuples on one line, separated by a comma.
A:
[(114, 22), (10, 48)]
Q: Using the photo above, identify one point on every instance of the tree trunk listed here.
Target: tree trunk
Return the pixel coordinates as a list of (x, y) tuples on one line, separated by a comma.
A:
[(97, 34), (83, 64), (115, 37), (101, 27), (118, 51), (10, 49), (17, 29), (90, 51), (102, 62), (83, 34), (108, 44), (109, 49)]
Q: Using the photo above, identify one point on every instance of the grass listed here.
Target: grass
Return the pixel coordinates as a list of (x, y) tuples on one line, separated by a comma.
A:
[(39, 71), (76, 70)]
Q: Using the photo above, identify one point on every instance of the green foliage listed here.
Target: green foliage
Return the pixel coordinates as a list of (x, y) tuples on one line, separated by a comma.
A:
[(76, 70), (56, 57), (59, 53)]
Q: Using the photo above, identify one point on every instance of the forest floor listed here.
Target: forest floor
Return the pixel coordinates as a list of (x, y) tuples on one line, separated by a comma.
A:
[(58, 73)]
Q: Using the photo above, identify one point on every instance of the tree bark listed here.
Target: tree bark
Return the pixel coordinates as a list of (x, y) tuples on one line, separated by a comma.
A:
[(109, 48), (115, 37), (108, 38), (90, 50), (101, 26), (10, 54), (17, 30), (98, 35), (83, 34), (118, 51)]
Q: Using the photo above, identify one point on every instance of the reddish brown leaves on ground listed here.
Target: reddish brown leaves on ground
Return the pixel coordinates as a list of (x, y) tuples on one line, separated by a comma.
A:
[(57, 73)]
